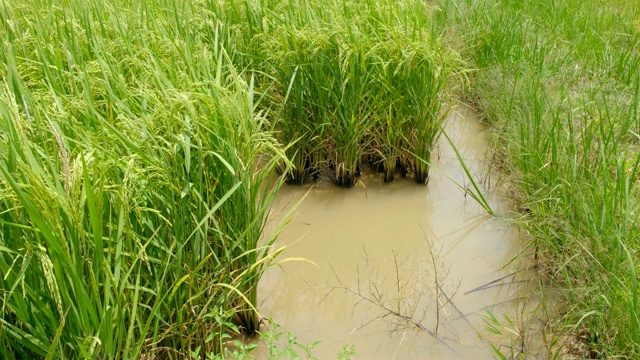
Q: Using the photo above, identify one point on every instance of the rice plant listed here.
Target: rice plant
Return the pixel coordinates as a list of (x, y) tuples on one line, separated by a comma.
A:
[(424, 82), (351, 119), (388, 145), (297, 58)]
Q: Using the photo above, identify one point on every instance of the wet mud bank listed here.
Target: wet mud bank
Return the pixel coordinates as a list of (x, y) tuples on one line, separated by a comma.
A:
[(397, 269)]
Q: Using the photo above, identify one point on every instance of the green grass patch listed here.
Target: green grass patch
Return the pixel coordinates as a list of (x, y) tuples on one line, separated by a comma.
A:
[(558, 82)]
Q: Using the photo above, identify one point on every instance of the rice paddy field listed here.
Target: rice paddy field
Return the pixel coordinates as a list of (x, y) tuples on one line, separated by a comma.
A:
[(143, 145)]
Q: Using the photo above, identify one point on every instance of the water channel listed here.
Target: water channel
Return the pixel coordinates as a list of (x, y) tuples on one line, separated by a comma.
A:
[(399, 270)]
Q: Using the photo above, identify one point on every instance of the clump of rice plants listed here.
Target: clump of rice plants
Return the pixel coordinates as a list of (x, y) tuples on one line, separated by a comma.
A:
[(135, 185), (387, 130), (351, 118), (351, 80), (411, 78), (402, 77), (424, 82), (296, 58)]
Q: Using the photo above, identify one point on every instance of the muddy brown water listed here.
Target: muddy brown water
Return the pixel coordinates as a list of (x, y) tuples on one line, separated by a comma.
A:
[(371, 280)]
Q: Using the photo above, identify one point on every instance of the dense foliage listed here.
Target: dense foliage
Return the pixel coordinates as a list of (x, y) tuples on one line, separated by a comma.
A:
[(139, 142)]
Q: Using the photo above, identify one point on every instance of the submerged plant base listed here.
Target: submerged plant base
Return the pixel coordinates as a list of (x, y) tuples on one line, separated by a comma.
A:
[(327, 172), (347, 177), (421, 170), (421, 178), (389, 170), (300, 172), (295, 177), (387, 165), (248, 321), (246, 316)]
